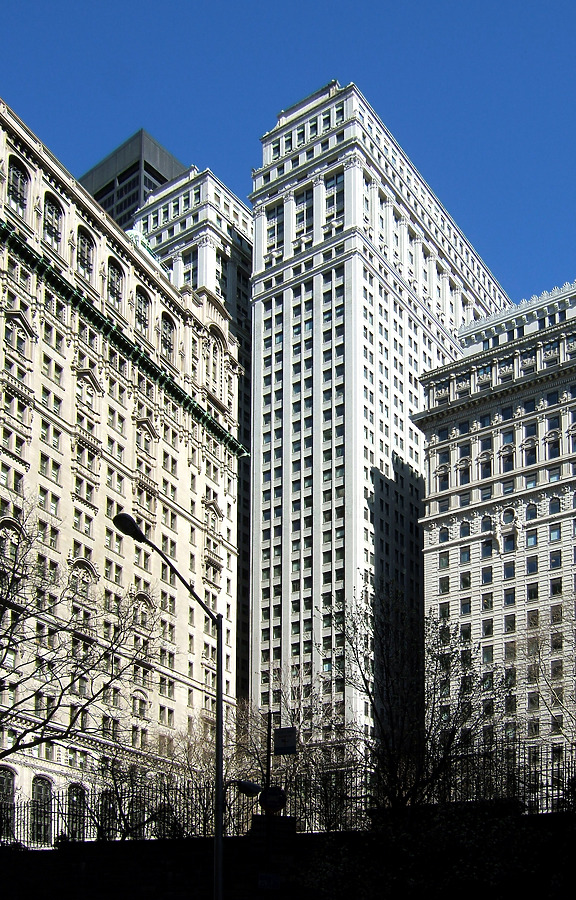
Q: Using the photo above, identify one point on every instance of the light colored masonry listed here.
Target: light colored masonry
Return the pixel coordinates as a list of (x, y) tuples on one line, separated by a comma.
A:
[(203, 233), (361, 281), (119, 392), (500, 514)]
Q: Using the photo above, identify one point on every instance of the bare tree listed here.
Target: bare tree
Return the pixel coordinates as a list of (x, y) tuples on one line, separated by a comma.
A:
[(429, 703), (67, 655), (547, 652)]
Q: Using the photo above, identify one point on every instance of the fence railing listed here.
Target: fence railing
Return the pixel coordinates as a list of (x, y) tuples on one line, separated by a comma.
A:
[(542, 779)]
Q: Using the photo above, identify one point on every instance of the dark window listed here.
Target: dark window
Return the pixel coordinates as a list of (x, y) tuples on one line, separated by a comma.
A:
[(167, 337), (41, 811), (509, 543), (52, 222), (6, 804), (85, 254), (115, 284), (17, 186), (142, 310), (76, 812)]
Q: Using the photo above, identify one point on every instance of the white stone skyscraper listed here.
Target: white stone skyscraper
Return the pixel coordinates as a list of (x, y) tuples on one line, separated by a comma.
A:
[(361, 280)]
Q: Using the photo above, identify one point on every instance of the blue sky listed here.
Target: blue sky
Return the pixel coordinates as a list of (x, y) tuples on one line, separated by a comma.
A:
[(479, 93)]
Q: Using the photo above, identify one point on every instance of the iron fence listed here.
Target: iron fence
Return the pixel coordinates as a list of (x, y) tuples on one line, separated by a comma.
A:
[(541, 779)]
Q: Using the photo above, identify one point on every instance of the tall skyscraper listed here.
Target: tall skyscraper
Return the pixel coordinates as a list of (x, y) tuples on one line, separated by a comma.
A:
[(361, 280), (122, 181), (202, 234), (500, 523), (119, 393)]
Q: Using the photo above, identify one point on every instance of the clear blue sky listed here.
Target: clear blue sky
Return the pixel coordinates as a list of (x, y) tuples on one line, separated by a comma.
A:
[(479, 93)]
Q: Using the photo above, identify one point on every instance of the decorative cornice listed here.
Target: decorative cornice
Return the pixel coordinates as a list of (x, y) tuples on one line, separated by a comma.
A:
[(109, 329)]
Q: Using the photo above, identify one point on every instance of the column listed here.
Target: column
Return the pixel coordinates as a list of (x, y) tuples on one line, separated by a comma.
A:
[(289, 223), (207, 263), (319, 208), (259, 237), (353, 189)]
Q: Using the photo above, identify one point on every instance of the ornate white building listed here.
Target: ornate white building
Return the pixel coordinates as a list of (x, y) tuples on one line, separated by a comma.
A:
[(361, 281), (119, 393), (500, 512), (202, 233)]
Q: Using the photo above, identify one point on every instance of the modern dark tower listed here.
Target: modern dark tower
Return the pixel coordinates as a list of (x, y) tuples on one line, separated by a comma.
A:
[(123, 179)]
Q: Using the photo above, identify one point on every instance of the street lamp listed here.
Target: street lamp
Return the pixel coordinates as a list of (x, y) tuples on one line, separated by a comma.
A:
[(128, 526)]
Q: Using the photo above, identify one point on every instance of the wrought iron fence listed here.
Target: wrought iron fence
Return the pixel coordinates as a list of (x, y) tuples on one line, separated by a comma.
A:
[(542, 779)]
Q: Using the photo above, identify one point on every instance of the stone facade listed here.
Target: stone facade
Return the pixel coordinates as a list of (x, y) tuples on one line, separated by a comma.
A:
[(499, 524), (120, 393), (361, 282)]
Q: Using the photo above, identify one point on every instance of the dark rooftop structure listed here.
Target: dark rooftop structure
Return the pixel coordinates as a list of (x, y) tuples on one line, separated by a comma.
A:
[(123, 179)]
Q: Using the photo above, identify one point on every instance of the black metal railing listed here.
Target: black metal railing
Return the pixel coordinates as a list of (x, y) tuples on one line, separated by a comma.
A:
[(538, 779)]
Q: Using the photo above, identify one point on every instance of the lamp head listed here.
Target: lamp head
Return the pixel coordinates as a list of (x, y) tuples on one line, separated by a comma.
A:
[(248, 788), (128, 526)]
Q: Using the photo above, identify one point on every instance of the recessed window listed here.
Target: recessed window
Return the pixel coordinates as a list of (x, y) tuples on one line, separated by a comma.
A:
[(556, 559), (509, 543), (487, 601)]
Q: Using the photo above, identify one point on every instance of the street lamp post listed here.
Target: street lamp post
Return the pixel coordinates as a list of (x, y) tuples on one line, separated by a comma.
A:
[(128, 526)]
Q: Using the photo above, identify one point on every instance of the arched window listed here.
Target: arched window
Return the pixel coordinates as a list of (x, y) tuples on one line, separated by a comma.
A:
[(41, 811), (531, 512), (215, 367), (76, 812), (137, 817), (486, 524), (115, 284), (554, 506), (443, 536), (6, 804), (464, 529), (167, 337), (108, 815), (82, 577), (18, 181), (51, 229), (142, 311), (85, 254)]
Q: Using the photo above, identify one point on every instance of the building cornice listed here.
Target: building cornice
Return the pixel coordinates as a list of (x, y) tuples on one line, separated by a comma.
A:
[(109, 329)]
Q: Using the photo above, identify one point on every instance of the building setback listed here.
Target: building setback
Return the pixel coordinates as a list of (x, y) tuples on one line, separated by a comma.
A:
[(500, 515), (117, 388), (361, 281)]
